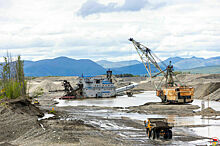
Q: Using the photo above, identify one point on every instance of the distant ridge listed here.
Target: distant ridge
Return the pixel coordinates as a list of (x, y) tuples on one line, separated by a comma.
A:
[(193, 62), (204, 70), (110, 64), (62, 66), (180, 64)]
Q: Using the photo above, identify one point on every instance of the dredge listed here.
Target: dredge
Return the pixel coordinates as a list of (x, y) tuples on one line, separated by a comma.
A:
[(170, 91), (91, 87)]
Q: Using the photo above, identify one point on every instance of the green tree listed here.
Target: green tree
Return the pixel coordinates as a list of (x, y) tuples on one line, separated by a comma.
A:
[(12, 78)]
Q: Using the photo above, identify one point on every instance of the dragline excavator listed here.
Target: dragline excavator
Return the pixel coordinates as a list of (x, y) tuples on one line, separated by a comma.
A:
[(171, 91)]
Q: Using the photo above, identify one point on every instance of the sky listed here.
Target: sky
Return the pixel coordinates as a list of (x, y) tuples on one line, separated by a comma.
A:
[(100, 29)]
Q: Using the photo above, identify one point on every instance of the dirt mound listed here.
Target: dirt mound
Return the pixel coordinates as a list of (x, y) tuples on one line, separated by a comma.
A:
[(16, 120), (207, 89), (46, 85), (164, 109), (209, 112), (213, 96), (210, 76), (20, 126), (24, 106)]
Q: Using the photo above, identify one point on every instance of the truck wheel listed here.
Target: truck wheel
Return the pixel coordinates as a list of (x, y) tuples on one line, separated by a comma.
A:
[(149, 134), (157, 134), (170, 134), (166, 135), (154, 133), (147, 131)]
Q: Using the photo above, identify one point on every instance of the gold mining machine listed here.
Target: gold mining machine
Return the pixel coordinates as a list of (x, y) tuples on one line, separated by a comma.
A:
[(171, 91)]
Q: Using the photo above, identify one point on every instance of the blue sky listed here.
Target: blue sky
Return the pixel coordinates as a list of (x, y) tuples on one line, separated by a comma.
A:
[(99, 29)]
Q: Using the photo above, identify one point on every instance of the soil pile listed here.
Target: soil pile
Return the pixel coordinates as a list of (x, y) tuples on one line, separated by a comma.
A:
[(20, 126), (207, 90), (24, 106), (17, 117), (46, 85), (208, 112), (164, 109)]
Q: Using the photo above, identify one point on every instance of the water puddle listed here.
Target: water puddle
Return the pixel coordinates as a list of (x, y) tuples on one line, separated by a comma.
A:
[(46, 116), (208, 131), (111, 126), (203, 142)]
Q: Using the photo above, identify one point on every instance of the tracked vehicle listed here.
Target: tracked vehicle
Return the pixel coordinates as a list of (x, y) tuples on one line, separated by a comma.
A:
[(171, 91)]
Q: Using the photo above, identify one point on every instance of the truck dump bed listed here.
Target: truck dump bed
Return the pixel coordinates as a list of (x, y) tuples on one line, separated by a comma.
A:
[(158, 122)]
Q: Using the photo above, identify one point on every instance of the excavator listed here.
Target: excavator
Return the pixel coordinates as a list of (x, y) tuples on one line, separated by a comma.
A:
[(172, 91)]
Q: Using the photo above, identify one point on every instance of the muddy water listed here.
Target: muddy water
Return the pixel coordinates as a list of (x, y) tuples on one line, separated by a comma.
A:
[(121, 101), (124, 101), (198, 125)]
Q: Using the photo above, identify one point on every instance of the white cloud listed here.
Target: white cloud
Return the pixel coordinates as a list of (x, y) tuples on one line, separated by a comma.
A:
[(47, 29), (93, 7)]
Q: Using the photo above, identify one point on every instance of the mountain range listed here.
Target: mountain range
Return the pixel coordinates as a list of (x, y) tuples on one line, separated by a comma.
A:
[(198, 65), (193, 62), (64, 66), (109, 64)]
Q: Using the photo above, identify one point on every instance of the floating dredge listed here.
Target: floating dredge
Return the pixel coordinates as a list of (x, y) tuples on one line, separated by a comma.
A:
[(91, 87), (94, 87)]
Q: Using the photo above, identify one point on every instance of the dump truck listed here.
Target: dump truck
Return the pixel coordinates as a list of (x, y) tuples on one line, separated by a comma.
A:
[(168, 89), (158, 127)]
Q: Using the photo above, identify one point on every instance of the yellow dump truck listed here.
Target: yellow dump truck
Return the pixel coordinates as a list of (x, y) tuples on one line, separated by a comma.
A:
[(158, 127)]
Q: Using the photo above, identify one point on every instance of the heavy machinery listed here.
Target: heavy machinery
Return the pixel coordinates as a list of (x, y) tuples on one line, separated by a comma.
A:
[(71, 93), (91, 87), (158, 127), (170, 91), (36, 102)]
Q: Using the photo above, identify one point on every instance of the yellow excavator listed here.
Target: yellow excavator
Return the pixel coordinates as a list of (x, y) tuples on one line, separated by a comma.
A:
[(170, 91)]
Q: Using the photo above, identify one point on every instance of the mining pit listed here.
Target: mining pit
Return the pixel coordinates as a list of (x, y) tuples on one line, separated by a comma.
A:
[(109, 121)]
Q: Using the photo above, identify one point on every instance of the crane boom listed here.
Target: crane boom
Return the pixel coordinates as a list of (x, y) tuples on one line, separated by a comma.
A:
[(147, 58)]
